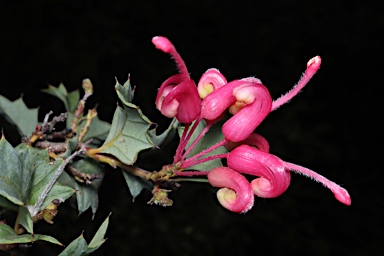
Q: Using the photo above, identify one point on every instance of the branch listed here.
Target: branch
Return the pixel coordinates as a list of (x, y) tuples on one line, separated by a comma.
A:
[(33, 210)]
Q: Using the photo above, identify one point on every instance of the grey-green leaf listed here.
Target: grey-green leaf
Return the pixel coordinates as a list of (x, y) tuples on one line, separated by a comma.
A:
[(14, 182), (125, 92), (86, 195), (77, 247), (8, 236), (17, 113), (166, 136), (38, 162), (5, 203), (25, 219), (70, 100), (99, 239), (127, 136), (98, 130), (136, 184)]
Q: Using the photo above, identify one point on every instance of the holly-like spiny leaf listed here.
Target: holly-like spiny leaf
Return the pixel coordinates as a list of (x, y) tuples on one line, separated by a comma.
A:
[(37, 161), (14, 179), (86, 195), (125, 92), (70, 100), (5, 203), (8, 236), (17, 113), (25, 219), (127, 136), (98, 130), (165, 137), (24, 174), (99, 239), (136, 184), (79, 246)]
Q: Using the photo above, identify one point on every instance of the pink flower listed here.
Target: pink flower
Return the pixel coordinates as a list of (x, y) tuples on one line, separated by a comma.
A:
[(274, 173), (177, 96), (247, 99), (236, 193)]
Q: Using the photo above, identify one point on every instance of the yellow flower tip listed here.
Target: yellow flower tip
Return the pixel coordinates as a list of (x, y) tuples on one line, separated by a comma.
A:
[(226, 197), (205, 90)]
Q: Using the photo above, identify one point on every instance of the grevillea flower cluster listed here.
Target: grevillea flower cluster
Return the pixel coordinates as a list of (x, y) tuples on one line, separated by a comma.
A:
[(249, 102)]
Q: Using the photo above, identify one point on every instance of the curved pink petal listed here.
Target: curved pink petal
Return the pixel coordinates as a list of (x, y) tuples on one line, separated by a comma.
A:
[(240, 126), (217, 102), (254, 139), (274, 178), (162, 92), (236, 193), (182, 101), (210, 81)]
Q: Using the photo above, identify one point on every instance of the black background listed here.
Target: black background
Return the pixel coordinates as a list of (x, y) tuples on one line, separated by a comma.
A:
[(330, 127)]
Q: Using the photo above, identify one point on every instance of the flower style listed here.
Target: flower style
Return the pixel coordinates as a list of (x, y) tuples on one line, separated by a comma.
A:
[(177, 96)]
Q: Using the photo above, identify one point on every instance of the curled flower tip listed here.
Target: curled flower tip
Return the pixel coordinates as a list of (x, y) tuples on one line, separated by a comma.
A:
[(236, 193), (210, 81), (313, 66), (162, 43)]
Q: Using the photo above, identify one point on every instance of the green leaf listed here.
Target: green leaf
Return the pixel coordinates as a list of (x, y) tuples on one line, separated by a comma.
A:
[(17, 113), (70, 100), (97, 130), (37, 161), (14, 179), (166, 136), (127, 136), (213, 136), (99, 239), (25, 172), (25, 219), (8, 236), (125, 92), (136, 184), (86, 195), (77, 247), (5, 203)]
